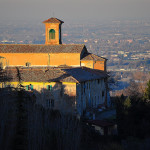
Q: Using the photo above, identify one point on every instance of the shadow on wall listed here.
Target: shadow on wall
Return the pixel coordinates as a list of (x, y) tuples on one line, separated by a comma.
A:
[(25, 124), (56, 98), (51, 97), (4, 77)]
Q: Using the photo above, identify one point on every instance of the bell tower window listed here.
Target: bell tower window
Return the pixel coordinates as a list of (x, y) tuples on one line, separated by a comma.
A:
[(52, 34)]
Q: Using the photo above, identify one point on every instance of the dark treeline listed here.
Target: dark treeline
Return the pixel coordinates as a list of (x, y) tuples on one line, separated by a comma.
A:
[(133, 118), (27, 126), (24, 125)]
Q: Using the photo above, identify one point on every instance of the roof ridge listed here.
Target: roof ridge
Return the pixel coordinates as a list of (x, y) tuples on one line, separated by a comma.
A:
[(70, 75), (99, 56), (53, 20), (91, 56)]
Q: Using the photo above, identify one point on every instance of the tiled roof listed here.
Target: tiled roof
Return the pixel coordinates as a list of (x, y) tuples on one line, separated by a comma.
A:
[(38, 75), (50, 74), (85, 74), (89, 56), (100, 73), (53, 20), (27, 48)]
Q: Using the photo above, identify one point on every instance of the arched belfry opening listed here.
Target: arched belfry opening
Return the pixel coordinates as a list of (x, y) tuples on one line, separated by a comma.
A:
[(53, 31), (51, 34)]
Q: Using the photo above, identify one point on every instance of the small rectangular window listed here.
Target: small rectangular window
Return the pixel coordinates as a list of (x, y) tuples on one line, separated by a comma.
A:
[(84, 87), (102, 93), (28, 64), (29, 87), (49, 87), (81, 89), (50, 103), (87, 85)]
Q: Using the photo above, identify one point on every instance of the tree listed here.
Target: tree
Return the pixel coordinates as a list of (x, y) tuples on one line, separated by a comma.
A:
[(133, 90), (127, 102), (147, 92)]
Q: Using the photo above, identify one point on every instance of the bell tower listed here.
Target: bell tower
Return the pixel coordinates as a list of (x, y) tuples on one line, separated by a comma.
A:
[(53, 31)]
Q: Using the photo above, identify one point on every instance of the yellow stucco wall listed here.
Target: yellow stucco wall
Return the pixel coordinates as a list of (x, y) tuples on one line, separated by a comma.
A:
[(87, 63), (70, 59), (71, 87), (53, 59), (99, 65), (16, 59)]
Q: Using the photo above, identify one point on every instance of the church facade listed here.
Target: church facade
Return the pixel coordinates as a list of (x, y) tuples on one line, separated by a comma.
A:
[(61, 76)]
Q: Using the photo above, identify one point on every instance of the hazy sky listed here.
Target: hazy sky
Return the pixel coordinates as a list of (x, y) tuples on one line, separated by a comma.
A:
[(74, 10)]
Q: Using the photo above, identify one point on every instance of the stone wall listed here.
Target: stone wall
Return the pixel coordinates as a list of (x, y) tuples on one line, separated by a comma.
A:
[(67, 97), (90, 94)]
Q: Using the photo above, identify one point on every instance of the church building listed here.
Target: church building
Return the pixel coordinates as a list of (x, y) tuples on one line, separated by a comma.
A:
[(60, 76)]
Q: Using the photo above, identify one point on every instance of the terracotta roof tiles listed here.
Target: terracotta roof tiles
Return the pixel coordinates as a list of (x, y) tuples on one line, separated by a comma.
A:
[(49, 74), (82, 74), (53, 20), (89, 56), (27, 48)]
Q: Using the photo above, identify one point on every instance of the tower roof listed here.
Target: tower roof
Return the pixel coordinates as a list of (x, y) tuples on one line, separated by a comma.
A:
[(53, 20)]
